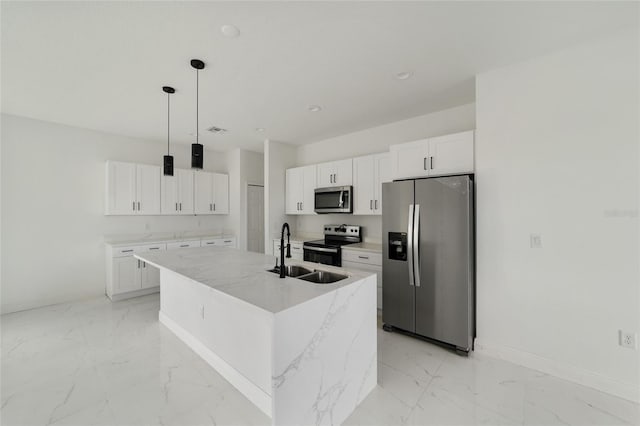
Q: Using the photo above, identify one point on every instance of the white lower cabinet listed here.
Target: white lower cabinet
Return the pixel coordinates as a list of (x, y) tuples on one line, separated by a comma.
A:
[(297, 252), (364, 261), (130, 277)]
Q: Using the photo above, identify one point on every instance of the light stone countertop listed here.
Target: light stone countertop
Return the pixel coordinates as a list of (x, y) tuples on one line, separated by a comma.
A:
[(161, 237), (366, 247), (244, 275)]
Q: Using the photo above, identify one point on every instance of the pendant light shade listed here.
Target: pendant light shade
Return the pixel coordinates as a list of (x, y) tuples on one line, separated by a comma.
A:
[(168, 159), (197, 150)]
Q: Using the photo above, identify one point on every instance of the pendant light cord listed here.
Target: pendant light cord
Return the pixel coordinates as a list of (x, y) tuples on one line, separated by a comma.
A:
[(197, 106), (168, 122)]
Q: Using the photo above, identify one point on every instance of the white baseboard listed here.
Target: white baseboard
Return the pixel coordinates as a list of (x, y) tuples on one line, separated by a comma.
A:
[(562, 370), (131, 294), (245, 386)]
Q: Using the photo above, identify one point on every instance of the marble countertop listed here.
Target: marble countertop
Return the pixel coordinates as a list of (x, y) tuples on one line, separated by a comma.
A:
[(368, 247), (244, 275), (160, 237)]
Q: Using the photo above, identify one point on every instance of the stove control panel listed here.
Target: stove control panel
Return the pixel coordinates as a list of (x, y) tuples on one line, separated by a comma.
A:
[(344, 230)]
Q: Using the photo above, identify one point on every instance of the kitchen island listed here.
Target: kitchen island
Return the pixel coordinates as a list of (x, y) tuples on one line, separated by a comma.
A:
[(304, 353)]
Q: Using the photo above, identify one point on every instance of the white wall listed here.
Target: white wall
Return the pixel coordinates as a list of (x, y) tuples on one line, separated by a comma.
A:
[(53, 219), (374, 140), (557, 155), (278, 157), (246, 167)]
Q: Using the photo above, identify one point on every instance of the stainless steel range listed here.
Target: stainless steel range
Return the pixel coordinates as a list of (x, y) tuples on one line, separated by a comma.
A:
[(328, 251)]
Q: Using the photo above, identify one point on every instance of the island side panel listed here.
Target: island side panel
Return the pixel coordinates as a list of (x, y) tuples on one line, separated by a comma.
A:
[(233, 336), (325, 356)]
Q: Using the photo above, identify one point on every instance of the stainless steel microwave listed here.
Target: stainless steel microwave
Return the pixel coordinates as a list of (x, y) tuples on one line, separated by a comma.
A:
[(337, 199)]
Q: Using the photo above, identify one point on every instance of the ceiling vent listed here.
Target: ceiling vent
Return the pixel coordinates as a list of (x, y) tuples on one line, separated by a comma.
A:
[(217, 130)]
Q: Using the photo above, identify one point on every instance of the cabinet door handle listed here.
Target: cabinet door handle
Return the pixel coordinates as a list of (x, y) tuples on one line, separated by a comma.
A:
[(363, 257), (227, 241), (138, 263), (301, 206), (138, 205), (375, 204), (176, 206), (214, 207), (184, 245), (144, 264), (154, 248), (133, 207), (210, 242), (180, 206), (424, 163), (127, 251), (370, 204), (431, 163)]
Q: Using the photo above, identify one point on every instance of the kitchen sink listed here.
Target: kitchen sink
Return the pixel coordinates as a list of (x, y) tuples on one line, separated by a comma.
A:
[(316, 276), (323, 277), (292, 271)]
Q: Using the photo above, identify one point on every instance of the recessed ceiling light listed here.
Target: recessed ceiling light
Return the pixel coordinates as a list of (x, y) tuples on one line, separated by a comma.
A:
[(259, 129), (403, 75), (230, 31), (315, 108)]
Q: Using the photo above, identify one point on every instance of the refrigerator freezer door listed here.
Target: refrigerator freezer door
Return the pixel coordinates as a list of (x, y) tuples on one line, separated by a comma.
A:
[(398, 298), (444, 299)]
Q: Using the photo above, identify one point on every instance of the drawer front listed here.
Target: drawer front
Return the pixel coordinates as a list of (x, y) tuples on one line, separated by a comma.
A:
[(296, 248), (150, 248), (218, 242), (124, 251), (362, 257), (182, 244)]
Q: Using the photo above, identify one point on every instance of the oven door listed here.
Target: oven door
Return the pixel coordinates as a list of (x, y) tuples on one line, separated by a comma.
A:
[(333, 200), (324, 255)]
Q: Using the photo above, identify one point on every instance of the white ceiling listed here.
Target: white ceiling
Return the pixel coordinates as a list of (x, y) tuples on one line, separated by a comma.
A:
[(102, 65)]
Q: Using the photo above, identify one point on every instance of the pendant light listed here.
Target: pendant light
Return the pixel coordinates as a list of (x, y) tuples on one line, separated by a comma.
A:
[(168, 159), (196, 148)]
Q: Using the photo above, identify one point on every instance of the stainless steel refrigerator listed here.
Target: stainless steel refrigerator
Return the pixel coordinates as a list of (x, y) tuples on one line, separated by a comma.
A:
[(428, 252)]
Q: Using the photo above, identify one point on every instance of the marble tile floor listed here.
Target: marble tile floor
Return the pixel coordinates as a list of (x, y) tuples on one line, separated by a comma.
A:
[(101, 363)]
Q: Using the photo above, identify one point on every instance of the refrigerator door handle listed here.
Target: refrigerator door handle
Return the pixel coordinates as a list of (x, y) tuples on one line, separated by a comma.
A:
[(416, 243), (410, 244)]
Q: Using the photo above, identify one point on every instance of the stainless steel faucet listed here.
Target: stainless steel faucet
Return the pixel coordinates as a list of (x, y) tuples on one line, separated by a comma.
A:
[(286, 225)]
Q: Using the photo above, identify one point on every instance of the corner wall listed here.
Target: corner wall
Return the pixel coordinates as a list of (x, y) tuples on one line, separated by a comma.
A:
[(557, 155), (278, 157), (53, 219)]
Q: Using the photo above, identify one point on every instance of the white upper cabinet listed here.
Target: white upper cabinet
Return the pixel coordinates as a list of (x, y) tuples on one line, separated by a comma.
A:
[(177, 192), (300, 187), (443, 155), (148, 189), (132, 189), (451, 154), (335, 173), (368, 174), (220, 193), (211, 193), (409, 159)]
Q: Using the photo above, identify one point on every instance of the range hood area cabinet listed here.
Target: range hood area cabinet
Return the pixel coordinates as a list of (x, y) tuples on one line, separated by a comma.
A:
[(177, 193), (132, 189), (369, 172), (438, 156), (335, 173), (300, 185), (211, 193)]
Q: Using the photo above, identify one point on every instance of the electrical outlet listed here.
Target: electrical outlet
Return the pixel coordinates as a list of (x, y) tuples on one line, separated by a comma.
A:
[(535, 240), (627, 339)]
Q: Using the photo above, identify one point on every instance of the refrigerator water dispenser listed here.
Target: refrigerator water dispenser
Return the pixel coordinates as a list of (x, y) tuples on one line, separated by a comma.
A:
[(398, 246)]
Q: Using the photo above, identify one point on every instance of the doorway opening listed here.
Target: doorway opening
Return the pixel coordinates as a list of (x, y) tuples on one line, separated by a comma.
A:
[(255, 218)]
